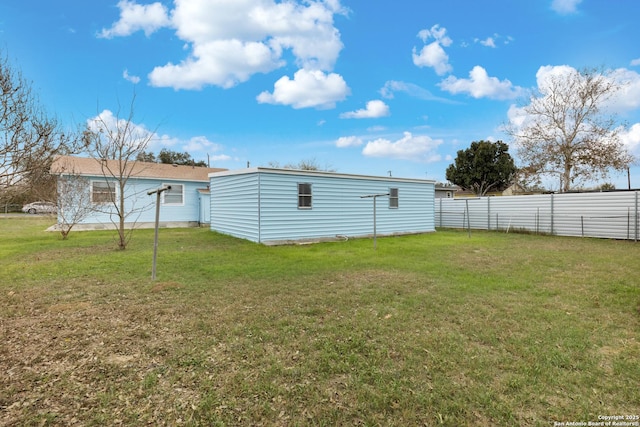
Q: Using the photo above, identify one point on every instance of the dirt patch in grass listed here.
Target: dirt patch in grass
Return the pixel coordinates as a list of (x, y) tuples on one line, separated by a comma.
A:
[(75, 361)]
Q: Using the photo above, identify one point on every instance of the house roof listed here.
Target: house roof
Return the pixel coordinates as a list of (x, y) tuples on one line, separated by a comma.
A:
[(88, 166)]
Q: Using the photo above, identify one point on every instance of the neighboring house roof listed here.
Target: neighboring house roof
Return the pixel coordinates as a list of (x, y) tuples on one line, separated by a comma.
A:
[(88, 166), (442, 187)]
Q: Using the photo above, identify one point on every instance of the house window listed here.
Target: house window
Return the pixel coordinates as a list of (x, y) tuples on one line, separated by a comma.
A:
[(304, 196), (393, 198), (103, 192), (174, 195)]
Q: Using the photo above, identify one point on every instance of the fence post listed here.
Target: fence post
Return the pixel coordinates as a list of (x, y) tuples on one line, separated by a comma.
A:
[(488, 213), (636, 220), (552, 214), (582, 225), (628, 223), (464, 218), (468, 218)]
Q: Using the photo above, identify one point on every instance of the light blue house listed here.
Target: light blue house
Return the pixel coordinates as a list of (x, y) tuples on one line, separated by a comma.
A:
[(273, 206), (187, 203)]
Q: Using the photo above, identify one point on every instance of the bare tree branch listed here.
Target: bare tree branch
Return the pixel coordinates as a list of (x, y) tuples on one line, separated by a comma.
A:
[(29, 138), (116, 142), (564, 132)]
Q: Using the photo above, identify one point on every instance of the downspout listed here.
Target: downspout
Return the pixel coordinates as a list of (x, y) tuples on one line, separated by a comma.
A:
[(199, 209)]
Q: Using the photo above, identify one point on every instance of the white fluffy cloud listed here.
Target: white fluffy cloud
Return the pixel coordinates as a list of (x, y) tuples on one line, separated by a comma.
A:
[(419, 148), (108, 123), (628, 98), (392, 86), (135, 17), (200, 144), (631, 139), (374, 109), (131, 78), (223, 63), (309, 88), (348, 141), (232, 40), (488, 42), (635, 62), (565, 7), (433, 54), (480, 85)]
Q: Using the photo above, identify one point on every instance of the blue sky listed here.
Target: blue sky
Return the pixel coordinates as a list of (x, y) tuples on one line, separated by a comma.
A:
[(362, 87)]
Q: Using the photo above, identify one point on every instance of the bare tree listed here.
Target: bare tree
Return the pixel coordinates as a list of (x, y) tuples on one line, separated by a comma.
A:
[(563, 132), (29, 138), (116, 142), (305, 165), (74, 198)]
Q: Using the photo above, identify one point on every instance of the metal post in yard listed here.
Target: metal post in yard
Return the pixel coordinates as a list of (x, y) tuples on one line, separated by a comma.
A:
[(155, 241), (374, 197)]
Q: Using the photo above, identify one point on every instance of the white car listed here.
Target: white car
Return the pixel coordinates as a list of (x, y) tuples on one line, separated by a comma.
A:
[(40, 207)]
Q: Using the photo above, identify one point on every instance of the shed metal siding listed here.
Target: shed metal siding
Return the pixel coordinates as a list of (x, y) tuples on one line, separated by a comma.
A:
[(235, 206), (337, 206)]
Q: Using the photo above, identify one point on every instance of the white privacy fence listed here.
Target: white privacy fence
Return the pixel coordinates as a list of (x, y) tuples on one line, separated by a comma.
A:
[(606, 215)]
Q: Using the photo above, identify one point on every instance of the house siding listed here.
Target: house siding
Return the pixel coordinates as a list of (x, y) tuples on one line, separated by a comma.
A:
[(141, 207), (268, 210)]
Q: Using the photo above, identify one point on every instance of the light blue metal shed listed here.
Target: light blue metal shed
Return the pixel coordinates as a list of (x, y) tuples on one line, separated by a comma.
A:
[(268, 205)]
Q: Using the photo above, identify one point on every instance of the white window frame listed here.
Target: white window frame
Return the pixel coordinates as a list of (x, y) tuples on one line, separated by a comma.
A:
[(393, 198), (109, 184), (304, 196), (169, 192)]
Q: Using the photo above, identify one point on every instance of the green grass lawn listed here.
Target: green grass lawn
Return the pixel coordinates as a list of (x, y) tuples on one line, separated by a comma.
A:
[(434, 329)]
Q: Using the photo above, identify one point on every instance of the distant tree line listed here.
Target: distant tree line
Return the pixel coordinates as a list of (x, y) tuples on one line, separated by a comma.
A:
[(170, 157)]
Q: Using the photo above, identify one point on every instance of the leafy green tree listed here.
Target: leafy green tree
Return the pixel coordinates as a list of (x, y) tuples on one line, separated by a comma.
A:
[(170, 158), (146, 157), (482, 167), (176, 158)]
